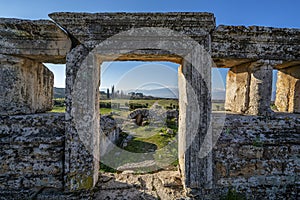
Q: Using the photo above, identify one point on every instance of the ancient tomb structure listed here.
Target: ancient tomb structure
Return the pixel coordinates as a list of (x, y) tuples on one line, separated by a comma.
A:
[(83, 41)]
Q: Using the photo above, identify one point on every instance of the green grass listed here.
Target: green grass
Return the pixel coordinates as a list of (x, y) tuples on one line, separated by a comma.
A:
[(61, 109), (58, 109), (150, 138), (218, 106), (163, 102), (105, 111), (105, 168), (139, 146)]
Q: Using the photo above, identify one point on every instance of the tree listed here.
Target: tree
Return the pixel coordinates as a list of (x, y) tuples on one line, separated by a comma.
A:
[(107, 93), (113, 92)]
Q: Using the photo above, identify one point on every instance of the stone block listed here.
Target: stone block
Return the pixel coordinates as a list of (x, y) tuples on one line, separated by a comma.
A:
[(26, 86), (260, 88), (40, 40), (288, 90), (237, 89), (253, 43), (249, 88), (93, 28)]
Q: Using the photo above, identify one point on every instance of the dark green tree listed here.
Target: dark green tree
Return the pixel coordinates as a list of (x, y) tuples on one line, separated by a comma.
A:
[(107, 93)]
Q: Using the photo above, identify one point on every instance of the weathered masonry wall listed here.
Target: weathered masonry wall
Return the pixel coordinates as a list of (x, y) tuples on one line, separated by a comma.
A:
[(234, 43), (31, 151), (100, 26), (288, 90), (252, 53), (136, 36), (26, 84), (258, 157)]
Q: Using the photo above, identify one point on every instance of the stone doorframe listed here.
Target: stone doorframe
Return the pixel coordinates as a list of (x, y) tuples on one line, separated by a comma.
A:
[(82, 96)]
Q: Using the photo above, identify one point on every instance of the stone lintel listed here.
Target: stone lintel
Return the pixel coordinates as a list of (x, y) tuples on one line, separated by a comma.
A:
[(288, 90), (95, 28), (26, 86), (231, 62), (256, 42), (40, 40)]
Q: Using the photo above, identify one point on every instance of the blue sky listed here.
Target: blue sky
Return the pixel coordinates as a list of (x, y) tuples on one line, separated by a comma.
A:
[(275, 13)]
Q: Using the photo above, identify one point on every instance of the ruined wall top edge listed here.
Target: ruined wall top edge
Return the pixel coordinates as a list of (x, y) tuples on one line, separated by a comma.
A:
[(45, 41), (40, 40)]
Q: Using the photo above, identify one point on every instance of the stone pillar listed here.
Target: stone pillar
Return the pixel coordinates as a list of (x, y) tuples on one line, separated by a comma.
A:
[(260, 87), (237, 88), (195, 158), (249, 88), (288, 90), (82, 138), (26, 86)]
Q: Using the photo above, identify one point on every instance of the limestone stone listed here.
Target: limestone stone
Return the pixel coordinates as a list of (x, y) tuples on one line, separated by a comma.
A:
[(40, 40), (237, 89), (260, 88), (254, 43), (249, 88), (88, 28), (83, 82), (161, 185), (288, 90), (109, 134), (26, 86), (264, 159), (194, 90), (82, 147), (31, 151)]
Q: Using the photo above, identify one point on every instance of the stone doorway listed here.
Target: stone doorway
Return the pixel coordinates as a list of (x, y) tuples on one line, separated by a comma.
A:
[(140, 44)]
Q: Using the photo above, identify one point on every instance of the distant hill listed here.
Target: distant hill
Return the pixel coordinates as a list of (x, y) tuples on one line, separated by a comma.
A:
[(58, 93)]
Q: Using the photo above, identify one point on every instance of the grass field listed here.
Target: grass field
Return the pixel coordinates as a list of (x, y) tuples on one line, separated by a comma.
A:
[(216, 106), (160, 140), (58, 109), (149, 102)]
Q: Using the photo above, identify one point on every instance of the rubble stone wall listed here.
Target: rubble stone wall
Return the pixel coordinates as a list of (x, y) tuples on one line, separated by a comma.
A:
[(258, 157), (31, 151)]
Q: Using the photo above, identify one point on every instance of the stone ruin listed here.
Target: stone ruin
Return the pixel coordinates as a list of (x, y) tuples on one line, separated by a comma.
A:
[(257, 153), (141, 115)]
